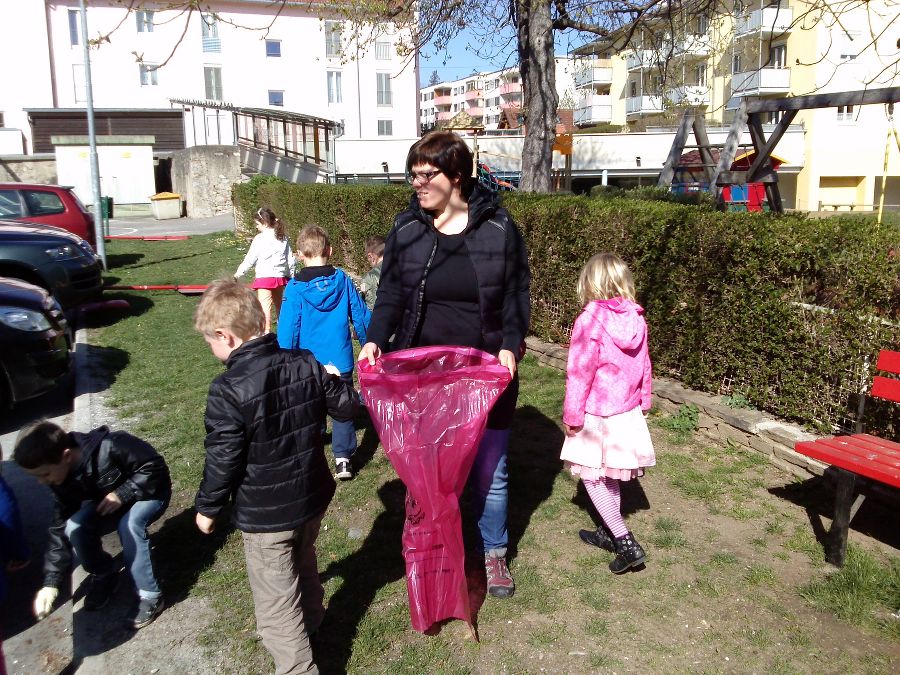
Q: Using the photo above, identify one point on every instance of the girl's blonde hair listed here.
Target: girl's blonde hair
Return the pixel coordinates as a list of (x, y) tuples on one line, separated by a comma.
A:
[(605, 276)]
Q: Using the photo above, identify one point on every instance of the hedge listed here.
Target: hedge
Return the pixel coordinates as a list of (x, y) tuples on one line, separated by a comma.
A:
[(785, 311)]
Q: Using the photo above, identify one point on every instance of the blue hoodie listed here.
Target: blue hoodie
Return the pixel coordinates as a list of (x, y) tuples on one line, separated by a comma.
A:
[(12, 539), (316, 314)]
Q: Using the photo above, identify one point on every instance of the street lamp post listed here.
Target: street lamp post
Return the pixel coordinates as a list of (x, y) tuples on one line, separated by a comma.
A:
[(92, 139)]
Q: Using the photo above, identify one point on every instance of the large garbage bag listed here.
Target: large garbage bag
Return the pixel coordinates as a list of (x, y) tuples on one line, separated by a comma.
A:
[(429, 406)]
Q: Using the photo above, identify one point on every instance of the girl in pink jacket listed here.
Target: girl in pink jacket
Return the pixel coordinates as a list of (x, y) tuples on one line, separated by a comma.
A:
[(608, 382)]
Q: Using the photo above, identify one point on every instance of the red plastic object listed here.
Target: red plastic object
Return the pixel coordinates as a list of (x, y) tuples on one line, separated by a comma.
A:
[(162, 237), (184, 289), (429, 406)]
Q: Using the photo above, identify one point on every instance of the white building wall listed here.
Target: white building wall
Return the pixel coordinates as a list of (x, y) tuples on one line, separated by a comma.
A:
[(248, 74)]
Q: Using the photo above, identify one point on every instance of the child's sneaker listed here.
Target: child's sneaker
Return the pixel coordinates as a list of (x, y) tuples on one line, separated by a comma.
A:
[(343, 469), (500, 583), (148, 610), (100, 590)]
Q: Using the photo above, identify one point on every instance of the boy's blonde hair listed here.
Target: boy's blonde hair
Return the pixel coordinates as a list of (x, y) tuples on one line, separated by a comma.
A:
[(313, 242), (375, 245), (605, 276), (228, 304)]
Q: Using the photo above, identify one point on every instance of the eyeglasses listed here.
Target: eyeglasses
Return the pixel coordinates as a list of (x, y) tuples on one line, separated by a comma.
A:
[(421, 177)]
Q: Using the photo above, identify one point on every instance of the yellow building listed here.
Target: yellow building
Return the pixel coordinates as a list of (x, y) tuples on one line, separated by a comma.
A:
[(763, 49)]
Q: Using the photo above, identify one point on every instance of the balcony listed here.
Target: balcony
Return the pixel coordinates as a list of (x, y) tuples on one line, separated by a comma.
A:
[(597, 72), (764, 22), (472, 94), (445, 99), (510, 88), (445, 116), (593, 109), (762, 81), (694, 46), (475, 111), (212, 44), (641, 59), (643, 105), (689, 95)]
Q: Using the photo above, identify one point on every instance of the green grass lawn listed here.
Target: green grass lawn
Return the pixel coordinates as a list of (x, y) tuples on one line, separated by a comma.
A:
[(734, 581)]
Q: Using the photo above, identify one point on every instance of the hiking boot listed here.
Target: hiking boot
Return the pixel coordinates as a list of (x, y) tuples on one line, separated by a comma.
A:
[(598, 538), (100, 590), (500, 583), (628, 554), (148, 610), (343, 470)]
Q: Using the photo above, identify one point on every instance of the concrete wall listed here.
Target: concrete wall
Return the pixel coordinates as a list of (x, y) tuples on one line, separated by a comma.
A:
[(292, 170), (203, 176), (28, 169)]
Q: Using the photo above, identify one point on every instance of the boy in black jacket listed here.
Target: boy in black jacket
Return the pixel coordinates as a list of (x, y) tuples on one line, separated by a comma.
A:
[(99, 479), (264, 451)]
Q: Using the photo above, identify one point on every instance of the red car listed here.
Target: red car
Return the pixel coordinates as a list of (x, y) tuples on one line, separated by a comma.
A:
[(49, 205)]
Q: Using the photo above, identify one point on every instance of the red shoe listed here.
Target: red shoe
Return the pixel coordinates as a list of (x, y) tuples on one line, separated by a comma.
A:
[(500, 583)]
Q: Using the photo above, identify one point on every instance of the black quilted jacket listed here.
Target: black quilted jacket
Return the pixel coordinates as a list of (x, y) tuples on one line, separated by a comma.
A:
[(264, 446), (501, 268)]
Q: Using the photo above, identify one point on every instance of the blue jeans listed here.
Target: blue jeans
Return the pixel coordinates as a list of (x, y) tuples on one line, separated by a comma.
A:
[(86, 528), (343, 434), (489, 483)]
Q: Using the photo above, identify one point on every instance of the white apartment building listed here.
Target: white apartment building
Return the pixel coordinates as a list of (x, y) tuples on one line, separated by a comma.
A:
[(763, 49), (485, 95), (239, 52)]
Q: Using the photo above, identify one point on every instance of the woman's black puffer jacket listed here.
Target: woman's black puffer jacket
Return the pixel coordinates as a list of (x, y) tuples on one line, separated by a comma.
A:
[(264, 446)]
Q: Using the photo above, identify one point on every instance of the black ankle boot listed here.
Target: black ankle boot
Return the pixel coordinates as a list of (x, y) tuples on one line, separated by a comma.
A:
[(628, 554), (598, 538)]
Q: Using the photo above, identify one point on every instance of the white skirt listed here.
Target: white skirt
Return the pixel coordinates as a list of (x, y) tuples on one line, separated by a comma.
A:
[(617, 447)]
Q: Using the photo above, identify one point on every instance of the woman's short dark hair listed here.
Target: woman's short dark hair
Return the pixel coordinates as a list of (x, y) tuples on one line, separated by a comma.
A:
[(446, 151)]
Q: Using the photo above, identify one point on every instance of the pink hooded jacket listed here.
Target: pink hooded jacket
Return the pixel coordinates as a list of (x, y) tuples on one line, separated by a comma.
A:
[(608, 371)]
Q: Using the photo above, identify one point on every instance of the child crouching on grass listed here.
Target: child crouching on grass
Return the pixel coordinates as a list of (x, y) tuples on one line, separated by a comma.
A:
[(265, 453), (608, 381)]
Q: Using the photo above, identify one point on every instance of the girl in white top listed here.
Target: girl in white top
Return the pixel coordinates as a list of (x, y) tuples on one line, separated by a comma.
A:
[(271, 253)]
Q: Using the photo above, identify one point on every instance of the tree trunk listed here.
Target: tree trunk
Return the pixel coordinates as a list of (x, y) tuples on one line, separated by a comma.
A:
[(537, 66)]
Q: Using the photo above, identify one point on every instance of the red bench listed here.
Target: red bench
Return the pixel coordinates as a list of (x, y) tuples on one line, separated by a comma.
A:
[(858, 455)]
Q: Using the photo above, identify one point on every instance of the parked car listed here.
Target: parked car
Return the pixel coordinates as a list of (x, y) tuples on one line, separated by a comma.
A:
[(35, 342), (56, 260), (49, 205)]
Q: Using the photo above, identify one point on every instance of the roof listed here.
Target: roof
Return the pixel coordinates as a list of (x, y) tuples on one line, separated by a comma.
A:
[(100, 111), (281, 115), (565, 120), (744, 159)]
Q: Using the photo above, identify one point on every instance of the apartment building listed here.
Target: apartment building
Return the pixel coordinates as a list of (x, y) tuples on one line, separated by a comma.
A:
[(247, 53), (484, 96), (761, 49)]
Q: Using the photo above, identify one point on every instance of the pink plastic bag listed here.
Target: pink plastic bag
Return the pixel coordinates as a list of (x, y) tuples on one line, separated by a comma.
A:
[(430, 407)]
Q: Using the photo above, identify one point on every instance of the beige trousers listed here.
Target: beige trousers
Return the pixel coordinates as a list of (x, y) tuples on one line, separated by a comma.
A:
[(287, 594), (270, 299)]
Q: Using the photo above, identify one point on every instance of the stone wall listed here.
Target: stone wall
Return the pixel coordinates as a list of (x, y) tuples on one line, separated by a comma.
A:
[(28, 169), (203, 176)]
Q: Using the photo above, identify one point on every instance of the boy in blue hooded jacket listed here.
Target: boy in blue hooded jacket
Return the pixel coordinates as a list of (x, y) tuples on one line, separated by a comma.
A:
[(318, 306)]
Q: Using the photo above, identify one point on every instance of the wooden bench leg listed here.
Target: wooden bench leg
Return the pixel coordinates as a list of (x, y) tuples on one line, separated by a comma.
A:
[(845, 507)]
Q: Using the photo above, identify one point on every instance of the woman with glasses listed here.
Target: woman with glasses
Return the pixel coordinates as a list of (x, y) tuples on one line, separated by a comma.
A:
[(455, 272)]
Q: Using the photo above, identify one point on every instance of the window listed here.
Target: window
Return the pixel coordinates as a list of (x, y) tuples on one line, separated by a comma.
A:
[(333, 48), (633, 89), (845, 113), (10, 206), (209, 27), (42, 203), (701, 75), (702, 25), (273, 48), (334, 86), (144, 20), (773, 117), (778, 56), (384, 88), (383, 49), (148, 74), (849, 45), (212, 77), (472, 85), (276, 97), (385, 127), (80, 83), (736, 63), (74, 27)]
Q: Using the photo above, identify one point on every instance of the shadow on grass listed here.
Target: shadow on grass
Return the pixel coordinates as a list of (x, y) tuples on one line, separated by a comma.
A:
[(378, 562), (876, 518), (122, 260)]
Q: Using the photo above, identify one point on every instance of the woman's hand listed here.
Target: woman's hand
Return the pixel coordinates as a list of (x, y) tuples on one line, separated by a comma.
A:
[(571, 431), (369, 352), (508, 359)]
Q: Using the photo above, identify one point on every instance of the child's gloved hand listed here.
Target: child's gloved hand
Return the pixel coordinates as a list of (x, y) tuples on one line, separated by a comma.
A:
[(43, 601)]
